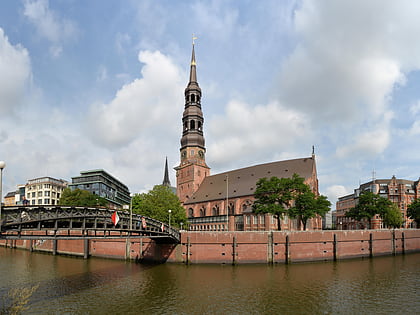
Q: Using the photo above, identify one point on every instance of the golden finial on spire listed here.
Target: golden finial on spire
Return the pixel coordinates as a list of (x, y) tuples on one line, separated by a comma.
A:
[(193, 38)]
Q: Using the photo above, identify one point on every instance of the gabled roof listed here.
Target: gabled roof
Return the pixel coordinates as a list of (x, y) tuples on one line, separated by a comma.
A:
[(10, 194), (242, 182)]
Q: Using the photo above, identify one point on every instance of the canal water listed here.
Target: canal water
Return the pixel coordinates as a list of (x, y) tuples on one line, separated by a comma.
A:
[(68, 285)]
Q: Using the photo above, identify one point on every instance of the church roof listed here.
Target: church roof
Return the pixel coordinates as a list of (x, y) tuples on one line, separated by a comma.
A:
[(242, 182)]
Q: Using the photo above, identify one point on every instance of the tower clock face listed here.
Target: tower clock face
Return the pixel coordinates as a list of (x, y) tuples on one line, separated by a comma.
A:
[(201, 153)]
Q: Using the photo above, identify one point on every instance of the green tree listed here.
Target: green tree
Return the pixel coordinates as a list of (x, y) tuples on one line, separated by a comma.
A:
[(392, 217), (275, 195), (308, 206), (369, 205), (413, 211), (81, 198), (156, 203)]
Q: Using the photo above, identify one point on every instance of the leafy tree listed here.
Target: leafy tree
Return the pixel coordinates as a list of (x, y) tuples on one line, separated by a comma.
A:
[(413, 211), (156, 203), (392, 217), (369, 205), (275, 195), (307, 206), (81, 198)]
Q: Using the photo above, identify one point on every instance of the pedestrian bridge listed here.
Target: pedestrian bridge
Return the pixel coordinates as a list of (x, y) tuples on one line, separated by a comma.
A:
[(52, 222)]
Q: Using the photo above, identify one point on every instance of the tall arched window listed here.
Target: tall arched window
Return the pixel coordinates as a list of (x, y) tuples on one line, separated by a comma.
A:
[(202, 212), (192, 124), (192, 98), (191, 213), (215, 210), (231, 208)]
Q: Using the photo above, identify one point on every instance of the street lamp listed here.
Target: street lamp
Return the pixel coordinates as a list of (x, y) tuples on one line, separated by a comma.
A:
[(131, 211), (169, 211), (2, 165), (181, 225)]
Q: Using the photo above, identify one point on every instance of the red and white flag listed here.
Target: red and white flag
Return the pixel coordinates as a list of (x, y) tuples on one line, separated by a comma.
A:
[(162, 227), (143, 221), (115, 218)]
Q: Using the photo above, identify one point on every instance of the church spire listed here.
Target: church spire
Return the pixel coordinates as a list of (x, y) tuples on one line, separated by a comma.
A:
[(192, 119), (166, 182), (193, 70)]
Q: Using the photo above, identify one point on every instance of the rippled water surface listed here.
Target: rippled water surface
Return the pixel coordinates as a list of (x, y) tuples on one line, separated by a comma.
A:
[(383, 285)]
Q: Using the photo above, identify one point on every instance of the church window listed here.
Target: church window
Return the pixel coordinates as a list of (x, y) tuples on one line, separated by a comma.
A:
[(198, 98), (199, 125), (192, 98), (192, 152), (231, 208), (190, 213), (192, 124), (215, 210), (202, 212), (185, 125)]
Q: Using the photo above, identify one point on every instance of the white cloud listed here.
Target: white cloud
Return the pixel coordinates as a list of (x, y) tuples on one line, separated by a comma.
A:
[(15, 74), (334, 192), (49, 24), (260, 131), (143, 108), (349, 58)]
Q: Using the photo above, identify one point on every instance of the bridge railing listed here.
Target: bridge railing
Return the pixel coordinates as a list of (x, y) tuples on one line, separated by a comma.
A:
[(85, 218)]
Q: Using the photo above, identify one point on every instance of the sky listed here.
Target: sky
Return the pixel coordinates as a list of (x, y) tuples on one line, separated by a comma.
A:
[(99, 85)]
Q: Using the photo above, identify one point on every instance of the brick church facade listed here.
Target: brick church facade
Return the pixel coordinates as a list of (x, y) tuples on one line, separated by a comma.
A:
[(223, 202)]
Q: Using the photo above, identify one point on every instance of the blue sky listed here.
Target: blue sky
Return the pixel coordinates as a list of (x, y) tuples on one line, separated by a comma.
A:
[(99, 84)]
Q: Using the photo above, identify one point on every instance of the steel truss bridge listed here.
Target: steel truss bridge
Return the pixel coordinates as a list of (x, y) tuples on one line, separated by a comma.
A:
[(66, 222)]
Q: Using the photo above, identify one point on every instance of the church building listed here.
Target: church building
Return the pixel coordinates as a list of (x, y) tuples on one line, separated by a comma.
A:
[(223, 202)]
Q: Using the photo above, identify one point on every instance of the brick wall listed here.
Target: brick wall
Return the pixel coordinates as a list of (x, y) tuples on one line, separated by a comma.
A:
[(239, 247)]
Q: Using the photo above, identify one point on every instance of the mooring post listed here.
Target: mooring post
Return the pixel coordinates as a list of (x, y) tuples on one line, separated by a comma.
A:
[(127, 248), (54, 246), (335, 247), (234, 250), (287, 250), (393, 243), (31, 246), (403, 243), (370, 245), (270, 248), (86, 248), (188, 251)]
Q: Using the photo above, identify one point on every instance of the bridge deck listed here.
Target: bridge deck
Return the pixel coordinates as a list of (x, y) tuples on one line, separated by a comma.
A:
[(64, 222)]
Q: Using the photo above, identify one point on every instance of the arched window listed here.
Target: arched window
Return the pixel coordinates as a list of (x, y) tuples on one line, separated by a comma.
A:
[(247, 206), (192, 98), (202, 212), (231, 208), (199, 125), (215, 210), (192, 124), (191, 213), (185, 125)]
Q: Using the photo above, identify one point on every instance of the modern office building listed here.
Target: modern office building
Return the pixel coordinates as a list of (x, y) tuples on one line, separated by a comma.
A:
[(104, 185), (42, 191), (402, 192)]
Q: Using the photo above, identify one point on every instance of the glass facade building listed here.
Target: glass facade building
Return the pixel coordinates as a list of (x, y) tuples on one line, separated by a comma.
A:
[(104, 185)]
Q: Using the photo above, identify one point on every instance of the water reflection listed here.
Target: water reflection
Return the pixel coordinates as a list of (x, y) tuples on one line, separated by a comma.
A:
[(69, 285)]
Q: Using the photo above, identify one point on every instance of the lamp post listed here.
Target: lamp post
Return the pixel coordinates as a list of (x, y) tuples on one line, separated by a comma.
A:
[(181, 225), (227, 202), (131, 211), (169, 211), (2, 165)]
